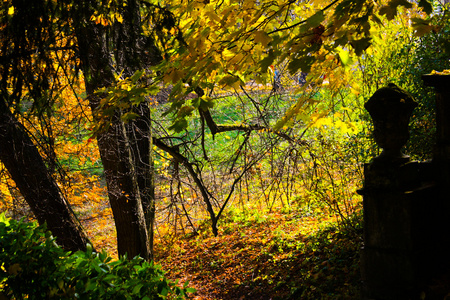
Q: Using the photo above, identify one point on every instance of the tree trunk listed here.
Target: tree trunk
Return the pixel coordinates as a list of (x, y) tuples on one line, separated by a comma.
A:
[(141, 146), (123, 191), (28, 170), (134, 52), (125, 149)]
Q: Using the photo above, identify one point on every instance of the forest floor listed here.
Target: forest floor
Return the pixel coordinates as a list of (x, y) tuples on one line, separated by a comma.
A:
[(267, 256)]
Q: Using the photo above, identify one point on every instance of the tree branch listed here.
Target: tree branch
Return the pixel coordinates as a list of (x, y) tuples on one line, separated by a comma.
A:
[(182, 159), (303, 21)]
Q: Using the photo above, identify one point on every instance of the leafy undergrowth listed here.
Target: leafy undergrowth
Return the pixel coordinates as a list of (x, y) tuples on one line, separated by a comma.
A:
[(275, 256)]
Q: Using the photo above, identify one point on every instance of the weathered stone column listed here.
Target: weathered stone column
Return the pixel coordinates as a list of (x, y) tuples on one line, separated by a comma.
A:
[(441, 167), (441, 157), (400, 202)]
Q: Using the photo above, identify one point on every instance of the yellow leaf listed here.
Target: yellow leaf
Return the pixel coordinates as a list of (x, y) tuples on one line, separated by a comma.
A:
[(262, 37), (212, 16), (227, 54), (173, 76), (104, 21), (237, 58), (321, 122), (11, 10), (119, 18)]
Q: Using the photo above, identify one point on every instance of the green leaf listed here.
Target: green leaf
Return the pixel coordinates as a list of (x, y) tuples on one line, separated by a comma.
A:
[(129, 116), (102, 256), (135, 77), (446, 46), (185, 111), (60, 283), (91, 285), (137, 288), (316, 19), (229, 80), (203, 102), (164, 292), (303, 64), (342, 41), (267, 61), (4, 219), (89, 249), (179, 125), (344, 57)]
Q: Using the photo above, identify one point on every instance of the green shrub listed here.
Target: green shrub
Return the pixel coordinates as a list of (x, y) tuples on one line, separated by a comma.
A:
[(32, 266)]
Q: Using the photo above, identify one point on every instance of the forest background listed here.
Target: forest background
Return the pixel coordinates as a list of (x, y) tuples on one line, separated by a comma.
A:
[(163, 129)]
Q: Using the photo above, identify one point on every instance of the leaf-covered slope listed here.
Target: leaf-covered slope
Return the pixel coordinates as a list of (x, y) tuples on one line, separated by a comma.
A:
[(269, 257)]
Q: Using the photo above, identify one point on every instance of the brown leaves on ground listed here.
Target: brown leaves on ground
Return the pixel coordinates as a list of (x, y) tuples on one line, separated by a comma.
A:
[(269, 259)]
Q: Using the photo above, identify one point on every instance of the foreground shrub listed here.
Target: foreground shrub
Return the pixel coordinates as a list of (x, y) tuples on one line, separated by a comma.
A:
[(32, 266)]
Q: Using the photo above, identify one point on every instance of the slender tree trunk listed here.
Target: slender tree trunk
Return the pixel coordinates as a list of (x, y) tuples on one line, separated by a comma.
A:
[(29, 172)]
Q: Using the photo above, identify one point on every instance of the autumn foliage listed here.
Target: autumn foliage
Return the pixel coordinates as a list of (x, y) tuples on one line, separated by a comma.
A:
[(233, 130)]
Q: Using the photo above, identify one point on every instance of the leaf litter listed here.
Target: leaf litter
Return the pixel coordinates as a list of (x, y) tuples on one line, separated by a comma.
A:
[(281, 257)]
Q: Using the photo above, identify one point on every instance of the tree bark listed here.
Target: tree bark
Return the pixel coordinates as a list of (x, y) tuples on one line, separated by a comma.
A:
[(28, 170), (125, 149), (134, 52)]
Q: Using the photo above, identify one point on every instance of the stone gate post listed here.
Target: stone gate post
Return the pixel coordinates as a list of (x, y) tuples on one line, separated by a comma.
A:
[(404, 212), (441, 156)]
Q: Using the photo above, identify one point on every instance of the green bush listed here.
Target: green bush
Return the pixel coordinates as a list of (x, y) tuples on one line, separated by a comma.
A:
[(32, 266)]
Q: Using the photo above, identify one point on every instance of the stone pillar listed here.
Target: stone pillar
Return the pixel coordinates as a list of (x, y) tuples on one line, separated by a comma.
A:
[(441, 156), (441, 167), (401, 206)]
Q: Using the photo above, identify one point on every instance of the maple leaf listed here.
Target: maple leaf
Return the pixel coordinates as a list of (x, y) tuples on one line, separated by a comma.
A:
[(390, 10)]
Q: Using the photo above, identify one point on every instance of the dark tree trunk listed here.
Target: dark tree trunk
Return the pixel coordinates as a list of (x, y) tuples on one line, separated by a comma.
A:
[(26, 36), (123, 191), (140, 137), (28, 170), (135, 52), (125, 149)]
